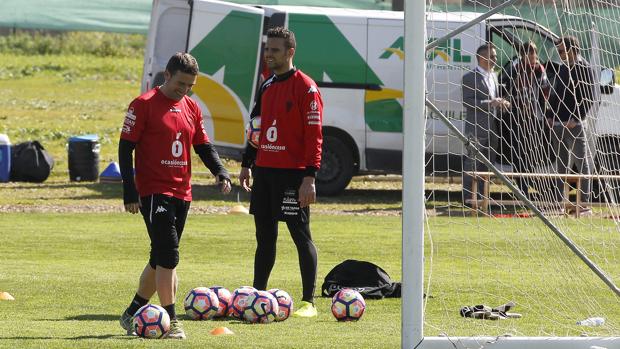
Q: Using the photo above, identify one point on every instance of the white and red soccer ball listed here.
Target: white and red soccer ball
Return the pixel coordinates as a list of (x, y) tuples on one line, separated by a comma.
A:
[(224, 297), (261, 307), (252, 131), (238, 301), (348, 305), (151, 321), (201, 303), (285, 303)]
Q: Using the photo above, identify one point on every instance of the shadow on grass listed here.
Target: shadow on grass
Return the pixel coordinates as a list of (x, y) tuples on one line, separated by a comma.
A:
[(94, 317), (105, 336)]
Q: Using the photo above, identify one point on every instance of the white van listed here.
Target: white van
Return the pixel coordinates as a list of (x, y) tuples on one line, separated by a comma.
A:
[(355, 56)]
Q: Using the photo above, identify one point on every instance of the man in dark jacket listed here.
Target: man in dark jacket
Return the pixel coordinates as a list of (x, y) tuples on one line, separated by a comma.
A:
[(571, 98)]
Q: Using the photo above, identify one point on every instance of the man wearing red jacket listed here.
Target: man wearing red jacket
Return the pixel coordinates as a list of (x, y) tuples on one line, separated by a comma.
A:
[(161, 126), (285, 163)]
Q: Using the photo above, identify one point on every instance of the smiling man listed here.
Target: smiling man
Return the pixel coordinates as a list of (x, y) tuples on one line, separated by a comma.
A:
[(285, 163), (161, 125)]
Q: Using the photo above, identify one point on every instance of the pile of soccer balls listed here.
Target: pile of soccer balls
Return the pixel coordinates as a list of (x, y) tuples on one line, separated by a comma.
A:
[(245, 303)]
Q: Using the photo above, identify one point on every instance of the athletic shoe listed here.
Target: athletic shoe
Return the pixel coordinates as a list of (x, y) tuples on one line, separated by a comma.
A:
[(307, 309), (126, 322), (175, 331)]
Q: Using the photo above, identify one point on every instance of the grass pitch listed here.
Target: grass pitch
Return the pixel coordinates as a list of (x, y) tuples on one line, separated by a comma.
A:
[(72, 275)]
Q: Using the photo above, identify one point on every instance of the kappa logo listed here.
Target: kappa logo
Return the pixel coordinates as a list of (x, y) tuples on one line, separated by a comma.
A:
[(160, 209), (313, 89)]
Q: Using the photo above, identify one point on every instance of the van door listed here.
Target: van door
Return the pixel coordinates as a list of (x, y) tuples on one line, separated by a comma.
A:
[(167, 35), (383, 109), (226, 39)]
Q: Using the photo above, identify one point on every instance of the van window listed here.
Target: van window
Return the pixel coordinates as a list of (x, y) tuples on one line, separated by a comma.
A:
[(507, 38)]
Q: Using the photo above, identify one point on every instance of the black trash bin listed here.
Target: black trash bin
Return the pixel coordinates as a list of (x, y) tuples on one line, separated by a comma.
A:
[(84, 158)]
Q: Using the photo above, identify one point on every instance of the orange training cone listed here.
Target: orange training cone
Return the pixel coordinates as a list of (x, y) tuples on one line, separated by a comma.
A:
[(5, 296), (221, 330), (238, 209)]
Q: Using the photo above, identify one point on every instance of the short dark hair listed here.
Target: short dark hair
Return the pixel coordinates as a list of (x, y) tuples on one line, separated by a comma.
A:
[(527, 48), (570, 43), (484, 48), (183, 62), (281, 32)]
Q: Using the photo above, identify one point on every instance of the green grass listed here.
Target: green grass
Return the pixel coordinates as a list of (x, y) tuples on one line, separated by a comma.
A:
[(71, 280), (72, 275)]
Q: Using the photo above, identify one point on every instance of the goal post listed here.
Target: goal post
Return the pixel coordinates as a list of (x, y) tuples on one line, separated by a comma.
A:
[(505, 244)]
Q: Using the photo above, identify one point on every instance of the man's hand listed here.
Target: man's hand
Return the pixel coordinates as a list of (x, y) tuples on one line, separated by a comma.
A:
[(224, 184), (133, 207), (307, 192), (244, 178), (571, 124), (500, 103)]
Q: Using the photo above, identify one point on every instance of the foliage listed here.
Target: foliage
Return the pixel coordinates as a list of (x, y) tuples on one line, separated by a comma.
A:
[(73, 43)]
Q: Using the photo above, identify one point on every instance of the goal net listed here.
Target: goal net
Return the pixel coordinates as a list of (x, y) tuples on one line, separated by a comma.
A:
[(549, 121)]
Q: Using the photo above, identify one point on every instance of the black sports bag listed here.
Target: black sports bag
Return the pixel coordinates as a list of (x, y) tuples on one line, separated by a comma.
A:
[(30, 162), (365, 277)]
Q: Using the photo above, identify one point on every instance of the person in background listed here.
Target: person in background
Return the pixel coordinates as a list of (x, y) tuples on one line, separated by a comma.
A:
[(571, 98), (482, 101), (526, 86)]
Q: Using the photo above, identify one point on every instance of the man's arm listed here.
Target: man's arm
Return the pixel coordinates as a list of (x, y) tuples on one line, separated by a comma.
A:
[(211, 159), (585, 90), (125, 162)]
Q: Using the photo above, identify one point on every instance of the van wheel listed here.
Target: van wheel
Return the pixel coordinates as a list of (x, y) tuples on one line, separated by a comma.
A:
[(336, 167)]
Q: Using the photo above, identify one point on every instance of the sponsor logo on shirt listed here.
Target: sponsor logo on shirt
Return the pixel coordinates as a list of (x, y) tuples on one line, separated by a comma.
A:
[(314, 105), (130, 115), (174, 163), (126, 129), (271, 147), (313, 116), (175, 110)]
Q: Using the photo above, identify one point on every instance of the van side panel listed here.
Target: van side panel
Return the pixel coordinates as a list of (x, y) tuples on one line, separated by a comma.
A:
[(332, 49), (225, 39)]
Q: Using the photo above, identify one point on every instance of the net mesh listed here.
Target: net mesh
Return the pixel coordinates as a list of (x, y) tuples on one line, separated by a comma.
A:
[(484, 246)]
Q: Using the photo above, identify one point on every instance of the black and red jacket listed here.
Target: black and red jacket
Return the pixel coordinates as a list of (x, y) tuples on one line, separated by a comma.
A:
[(291, 111)]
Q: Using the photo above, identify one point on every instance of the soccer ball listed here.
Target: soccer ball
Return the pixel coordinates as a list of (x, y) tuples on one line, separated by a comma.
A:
[(238, 301), (348, 305), (252, 131), (201, 303), (224, 296), (151, 321), (285, 304), (262, 307)]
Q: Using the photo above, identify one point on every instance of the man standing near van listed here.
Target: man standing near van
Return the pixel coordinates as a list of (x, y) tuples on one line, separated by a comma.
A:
[(161, 125), (482, 102), (571, 98), (285, 164)]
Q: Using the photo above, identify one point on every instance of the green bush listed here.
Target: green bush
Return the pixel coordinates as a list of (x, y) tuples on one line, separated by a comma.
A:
[(73, 43)]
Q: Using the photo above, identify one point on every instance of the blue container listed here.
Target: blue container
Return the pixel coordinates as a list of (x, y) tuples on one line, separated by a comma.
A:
[(5, 158), (83, 158)]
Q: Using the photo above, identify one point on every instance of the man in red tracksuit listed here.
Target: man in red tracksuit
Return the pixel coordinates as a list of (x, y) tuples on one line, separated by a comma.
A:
[(161, 126), (285, 163)]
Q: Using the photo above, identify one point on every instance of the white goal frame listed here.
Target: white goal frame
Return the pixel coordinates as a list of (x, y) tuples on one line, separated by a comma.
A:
[(413, 228)]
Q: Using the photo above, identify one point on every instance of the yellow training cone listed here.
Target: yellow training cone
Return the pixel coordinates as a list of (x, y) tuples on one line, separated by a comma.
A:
[(5, 296), (221, 330), (238, 209)]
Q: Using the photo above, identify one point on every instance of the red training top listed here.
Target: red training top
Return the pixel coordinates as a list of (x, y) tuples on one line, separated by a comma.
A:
[(164, 131), (291, 111)]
